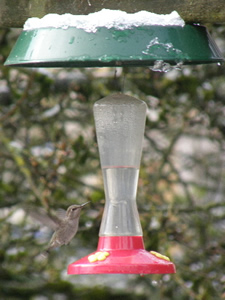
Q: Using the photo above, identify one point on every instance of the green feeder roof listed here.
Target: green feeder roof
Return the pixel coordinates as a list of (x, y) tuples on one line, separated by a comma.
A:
[(135, 46)]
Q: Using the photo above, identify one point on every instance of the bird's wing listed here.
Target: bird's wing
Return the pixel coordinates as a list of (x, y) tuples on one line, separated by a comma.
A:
[(43, 217)]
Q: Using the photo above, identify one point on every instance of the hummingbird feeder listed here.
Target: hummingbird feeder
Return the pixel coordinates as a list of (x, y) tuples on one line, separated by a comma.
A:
[(115, 38), (120, 123)]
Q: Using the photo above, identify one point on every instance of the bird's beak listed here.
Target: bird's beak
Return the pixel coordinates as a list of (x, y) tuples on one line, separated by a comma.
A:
[(82, 205)]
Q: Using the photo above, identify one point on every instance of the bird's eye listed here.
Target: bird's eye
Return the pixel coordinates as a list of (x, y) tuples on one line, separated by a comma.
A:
[(74, 208)]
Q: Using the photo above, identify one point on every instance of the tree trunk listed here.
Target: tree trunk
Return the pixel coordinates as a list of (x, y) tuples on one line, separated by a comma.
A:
[(13, 13)]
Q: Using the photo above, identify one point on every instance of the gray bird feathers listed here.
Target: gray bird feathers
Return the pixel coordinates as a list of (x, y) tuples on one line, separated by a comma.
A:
[(65, 224)]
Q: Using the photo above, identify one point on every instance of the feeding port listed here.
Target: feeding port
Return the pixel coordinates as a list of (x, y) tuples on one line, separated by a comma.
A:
[(120, 123)]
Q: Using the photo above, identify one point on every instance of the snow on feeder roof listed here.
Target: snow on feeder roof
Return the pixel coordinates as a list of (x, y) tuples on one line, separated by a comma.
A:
[(107, 18), (112, 38)]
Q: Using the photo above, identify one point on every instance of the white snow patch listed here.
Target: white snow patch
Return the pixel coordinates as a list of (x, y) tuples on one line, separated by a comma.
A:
[(105, 18)]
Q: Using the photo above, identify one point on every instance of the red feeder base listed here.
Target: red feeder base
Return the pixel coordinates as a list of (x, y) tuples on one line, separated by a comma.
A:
[(122, 255)]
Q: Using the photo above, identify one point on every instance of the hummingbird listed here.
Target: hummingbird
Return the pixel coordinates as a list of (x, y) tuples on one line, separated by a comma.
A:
[(65, 225)]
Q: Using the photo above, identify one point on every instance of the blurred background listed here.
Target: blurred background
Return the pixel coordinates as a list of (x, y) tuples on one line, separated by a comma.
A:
[(49, 158)]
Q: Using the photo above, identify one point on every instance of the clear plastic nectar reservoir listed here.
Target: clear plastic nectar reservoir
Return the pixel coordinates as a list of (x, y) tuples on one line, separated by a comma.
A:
[(120, 123)]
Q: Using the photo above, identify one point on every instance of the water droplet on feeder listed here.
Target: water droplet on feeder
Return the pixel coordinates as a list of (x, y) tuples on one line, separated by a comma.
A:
[(161, 66), (105, 58), (72, 40), (158, 66), (166, 67), (179, 66)]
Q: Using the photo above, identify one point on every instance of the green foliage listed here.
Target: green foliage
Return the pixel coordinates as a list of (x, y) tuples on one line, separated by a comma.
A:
[(49, 158)]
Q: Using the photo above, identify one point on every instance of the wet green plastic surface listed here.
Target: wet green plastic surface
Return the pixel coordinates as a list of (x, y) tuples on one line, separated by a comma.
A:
[(72, 47)]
